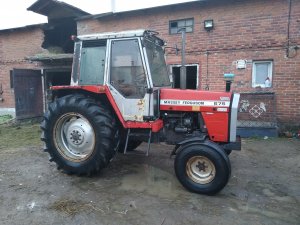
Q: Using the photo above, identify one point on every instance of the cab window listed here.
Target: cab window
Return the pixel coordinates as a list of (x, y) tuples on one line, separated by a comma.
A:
[(127, 73), (92, 62)]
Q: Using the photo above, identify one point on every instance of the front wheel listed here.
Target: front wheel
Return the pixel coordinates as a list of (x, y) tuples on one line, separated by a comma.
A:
[(202, 169)]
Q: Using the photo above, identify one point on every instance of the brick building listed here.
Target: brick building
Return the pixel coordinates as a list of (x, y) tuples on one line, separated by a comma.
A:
[(255, 40), (15, 45), (36, 56)]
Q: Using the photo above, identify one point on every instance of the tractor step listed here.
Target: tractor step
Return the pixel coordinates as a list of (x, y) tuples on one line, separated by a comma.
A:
[(129, 134), (136, 153)]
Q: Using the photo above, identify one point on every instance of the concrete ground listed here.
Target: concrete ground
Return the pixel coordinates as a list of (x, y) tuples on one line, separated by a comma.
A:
[(264, 189)]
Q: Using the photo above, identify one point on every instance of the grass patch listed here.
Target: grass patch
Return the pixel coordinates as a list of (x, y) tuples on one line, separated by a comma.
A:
[(5, 118), (24, 135)]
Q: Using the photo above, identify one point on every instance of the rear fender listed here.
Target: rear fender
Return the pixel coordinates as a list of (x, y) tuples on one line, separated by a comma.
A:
[(97, 92)]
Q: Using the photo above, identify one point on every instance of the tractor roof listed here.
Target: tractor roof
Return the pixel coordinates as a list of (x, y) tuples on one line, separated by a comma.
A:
[(121, 34)]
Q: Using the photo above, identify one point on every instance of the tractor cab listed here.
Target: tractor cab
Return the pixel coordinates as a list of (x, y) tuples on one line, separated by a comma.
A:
[(131, 65)]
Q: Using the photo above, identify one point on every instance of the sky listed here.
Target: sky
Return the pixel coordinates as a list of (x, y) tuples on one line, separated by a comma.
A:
[(13, 13)]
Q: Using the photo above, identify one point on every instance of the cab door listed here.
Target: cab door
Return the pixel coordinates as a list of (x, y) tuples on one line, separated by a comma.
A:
[(128, 80)]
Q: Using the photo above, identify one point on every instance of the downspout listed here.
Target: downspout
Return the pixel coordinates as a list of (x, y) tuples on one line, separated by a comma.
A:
[(206, 80), (288, 29)]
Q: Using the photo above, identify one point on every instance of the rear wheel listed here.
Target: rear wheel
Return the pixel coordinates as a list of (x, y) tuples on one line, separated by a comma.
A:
[(202, 169), (79, 134)]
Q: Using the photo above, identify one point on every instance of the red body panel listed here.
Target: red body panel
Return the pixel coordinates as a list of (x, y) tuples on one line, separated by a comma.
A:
[(154, 125), (217, 126), (92, 88), (194, 100), (214, 107)]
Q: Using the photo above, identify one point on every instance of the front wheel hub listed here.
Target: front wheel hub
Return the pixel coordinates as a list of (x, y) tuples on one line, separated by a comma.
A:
[(200, 169)]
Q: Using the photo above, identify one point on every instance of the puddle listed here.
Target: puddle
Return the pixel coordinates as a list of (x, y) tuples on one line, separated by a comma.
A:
[(151, 180), (267, 190), (287, 217)]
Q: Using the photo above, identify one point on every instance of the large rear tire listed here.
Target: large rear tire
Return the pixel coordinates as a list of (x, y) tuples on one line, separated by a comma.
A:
[(79, 134), (201, 168)]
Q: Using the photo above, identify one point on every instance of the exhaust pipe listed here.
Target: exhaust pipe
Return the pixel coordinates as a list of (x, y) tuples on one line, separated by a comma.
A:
[(228, 77), (183, 67)]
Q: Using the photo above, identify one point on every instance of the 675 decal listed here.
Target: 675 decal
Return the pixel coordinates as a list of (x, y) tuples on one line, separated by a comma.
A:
[(219, 104), (201, 103)]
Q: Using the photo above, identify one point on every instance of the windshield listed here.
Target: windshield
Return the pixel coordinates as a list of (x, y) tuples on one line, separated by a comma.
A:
[(157, 64)]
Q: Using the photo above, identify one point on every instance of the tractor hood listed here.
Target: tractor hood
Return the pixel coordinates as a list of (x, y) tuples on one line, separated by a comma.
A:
[(194, 100)]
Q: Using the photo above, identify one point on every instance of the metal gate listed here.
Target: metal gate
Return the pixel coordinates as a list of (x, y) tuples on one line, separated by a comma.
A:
[(28, 93), (257, 110)]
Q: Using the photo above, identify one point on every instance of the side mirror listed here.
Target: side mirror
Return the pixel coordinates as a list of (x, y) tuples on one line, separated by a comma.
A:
[(149, 90)]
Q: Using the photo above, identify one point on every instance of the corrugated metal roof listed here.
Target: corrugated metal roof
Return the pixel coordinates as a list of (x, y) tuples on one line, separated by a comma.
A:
[(44, 7)]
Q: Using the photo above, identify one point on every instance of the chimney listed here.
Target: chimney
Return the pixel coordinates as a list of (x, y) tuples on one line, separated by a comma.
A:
[(113, 6)]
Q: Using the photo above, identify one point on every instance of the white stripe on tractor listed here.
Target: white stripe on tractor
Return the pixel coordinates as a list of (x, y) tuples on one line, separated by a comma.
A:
[(194, 103)]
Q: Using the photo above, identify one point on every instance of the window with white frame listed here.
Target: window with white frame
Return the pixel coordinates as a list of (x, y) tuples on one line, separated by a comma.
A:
[(262, 74)]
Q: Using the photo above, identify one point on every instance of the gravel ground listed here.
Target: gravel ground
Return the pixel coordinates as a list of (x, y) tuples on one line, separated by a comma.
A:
[(264, 189)]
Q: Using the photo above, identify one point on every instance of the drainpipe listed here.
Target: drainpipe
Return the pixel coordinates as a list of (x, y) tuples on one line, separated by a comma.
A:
[(288, 29), (183, 67)]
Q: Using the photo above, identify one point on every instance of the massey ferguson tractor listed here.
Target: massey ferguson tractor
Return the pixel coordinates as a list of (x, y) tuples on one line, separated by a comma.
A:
[(120, 95)]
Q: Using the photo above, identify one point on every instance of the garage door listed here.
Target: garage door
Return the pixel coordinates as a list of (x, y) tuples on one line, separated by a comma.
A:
[(28, 93)]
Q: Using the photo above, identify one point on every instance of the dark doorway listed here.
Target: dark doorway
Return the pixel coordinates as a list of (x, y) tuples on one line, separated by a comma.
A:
[(28, 93), (58, 36), (57, 78), (191, 76)]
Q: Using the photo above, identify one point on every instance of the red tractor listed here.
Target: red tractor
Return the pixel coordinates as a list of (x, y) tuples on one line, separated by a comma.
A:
[(121, 95)]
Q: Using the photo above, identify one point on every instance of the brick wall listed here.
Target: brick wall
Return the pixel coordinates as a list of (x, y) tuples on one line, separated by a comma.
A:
[(15, 45), (250, 30)]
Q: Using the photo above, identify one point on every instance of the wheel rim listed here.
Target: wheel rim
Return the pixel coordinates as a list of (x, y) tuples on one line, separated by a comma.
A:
[(200, 169), (74, 137)]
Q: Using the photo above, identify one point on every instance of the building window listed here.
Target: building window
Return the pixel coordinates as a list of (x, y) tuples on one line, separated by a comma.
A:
[(262, 74), (176, 25)]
